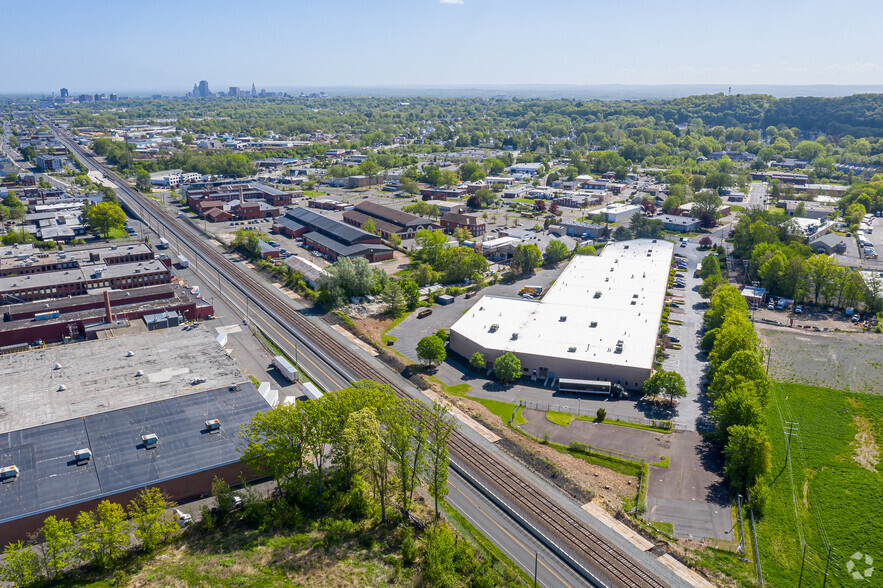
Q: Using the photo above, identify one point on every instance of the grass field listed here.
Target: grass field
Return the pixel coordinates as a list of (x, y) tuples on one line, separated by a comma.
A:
[(559, 418), (503, 410), (826, 496)]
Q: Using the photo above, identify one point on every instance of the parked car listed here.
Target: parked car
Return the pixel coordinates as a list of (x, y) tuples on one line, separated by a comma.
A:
[(183, 518), (798, 310), (674, 339), (197, 381), (683, 243), (770, 306)]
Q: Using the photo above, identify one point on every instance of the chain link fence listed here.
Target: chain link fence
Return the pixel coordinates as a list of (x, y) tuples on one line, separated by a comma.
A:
[(658, 423)]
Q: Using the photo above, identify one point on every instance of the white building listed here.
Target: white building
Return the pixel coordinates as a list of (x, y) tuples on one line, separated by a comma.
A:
[(530, 169), (599, 321), (173, 177), (619, 211)]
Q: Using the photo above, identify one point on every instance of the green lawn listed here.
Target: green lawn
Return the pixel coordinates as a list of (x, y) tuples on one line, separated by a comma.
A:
[(559, 418), (831, 494), (519, 417), (313, 193), (503, 410), (661, 429)]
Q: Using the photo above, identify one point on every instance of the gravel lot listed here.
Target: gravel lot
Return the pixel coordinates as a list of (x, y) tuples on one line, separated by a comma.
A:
[(843, 361)]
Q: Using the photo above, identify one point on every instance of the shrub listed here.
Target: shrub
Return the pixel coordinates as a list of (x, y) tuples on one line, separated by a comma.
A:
[(601, 415), (409, 547), (760, 496)]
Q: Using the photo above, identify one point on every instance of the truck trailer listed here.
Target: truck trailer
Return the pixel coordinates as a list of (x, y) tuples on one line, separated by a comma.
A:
[(182, 261), (289, 371)]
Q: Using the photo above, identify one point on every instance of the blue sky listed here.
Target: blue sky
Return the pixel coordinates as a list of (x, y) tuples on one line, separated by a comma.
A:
[(139, 45)]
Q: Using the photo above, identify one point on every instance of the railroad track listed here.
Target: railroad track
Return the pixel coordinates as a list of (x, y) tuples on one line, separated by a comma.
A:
[(604, 558)]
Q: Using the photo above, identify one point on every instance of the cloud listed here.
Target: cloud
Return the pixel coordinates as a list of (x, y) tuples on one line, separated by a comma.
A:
[(450, 1)]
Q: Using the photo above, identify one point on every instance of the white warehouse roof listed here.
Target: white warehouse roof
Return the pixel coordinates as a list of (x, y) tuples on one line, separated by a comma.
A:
[(603, 310)]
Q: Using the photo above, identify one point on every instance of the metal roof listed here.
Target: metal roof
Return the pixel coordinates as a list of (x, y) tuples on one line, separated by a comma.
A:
[(335, 229)]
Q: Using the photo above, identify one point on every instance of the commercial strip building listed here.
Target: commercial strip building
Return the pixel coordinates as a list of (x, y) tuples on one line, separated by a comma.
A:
[(599, 321)]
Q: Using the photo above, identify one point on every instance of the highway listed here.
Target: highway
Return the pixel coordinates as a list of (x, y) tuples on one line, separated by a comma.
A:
[(328, 353)]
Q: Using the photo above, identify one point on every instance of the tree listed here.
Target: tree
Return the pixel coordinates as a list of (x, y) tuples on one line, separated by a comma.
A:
[(671, 204), (21, 566), (370, 227), (425, 275), (461, 263), (187, 138), (668, 384), (430, 245), (706, 205), (747, 456), (363, 426), (526, 258), (585, 250), (556, 251), (800, 210), (440, 425), (59, 546), (347, 277), (407, 440), (104, 533), (395, 299), (821, 270), (449, 178), (105, 216), (410, 186), (742, 366), (431, 350), (150, 513), (274, 444), (485, 196), (507, 368), (142, 181), (739, 406), (468, 170), (710, 266), (622, 233), (718, 180), (318, 431), (477, 361), (462, 235)]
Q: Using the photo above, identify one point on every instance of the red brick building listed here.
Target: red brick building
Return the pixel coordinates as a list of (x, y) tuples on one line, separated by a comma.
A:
[(453, 221)]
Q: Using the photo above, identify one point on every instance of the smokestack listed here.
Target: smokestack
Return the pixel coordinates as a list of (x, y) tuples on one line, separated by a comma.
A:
[(108, 316)]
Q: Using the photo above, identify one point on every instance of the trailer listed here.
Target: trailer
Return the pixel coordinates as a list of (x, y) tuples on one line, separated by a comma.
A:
[(163, 244), (182, 261), (531, 290), (311, 391), (289, 371)]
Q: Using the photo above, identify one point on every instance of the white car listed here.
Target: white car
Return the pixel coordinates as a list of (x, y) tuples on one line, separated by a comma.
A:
[(183, 518)]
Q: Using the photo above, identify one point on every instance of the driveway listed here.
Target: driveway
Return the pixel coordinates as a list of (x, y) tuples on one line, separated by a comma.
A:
[(691, 494)]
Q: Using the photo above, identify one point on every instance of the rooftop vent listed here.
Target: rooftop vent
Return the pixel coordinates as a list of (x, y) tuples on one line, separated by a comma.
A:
[(139, 373), (213, 425), (150, 440), (8, 472), (57, 366), (593, 324), (82, 455), (514, 336), (494, 328), (130, 353), (598, 294), (562, 318), (571, 349), (62, 388)]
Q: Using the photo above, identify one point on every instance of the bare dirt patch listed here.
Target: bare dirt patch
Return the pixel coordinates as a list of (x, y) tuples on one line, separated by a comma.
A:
[(852, 362), (867, 454), (373, 326)]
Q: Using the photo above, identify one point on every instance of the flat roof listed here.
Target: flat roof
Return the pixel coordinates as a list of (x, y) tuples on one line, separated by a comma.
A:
[(49, 477), (99, 377), (80, 274), (616, 296)]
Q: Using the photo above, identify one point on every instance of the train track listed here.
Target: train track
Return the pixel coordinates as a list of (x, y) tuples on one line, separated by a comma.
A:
[(616, 567)]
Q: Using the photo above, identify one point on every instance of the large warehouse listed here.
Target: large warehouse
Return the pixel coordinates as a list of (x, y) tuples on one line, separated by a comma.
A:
[(599, 321)]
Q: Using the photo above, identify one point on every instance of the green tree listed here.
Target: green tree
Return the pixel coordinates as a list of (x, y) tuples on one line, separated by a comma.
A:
[(105, 217), (507, 368), (738, 406), (462, 235), (742, 366), (142, 181), (150, 514), (431, 350), (411, 291), (556, 251), (440, 425), (187, 138), (710, 266), (800, 210), (369, 439), (20, 566), (706, 205), (666, 384), (410, 186), (59, 546), (395, 299), (477, 361), (622, 233), (430, 245), (104, 533), (424, 275), (585, 250), (370, 227), (486, 196), (274, 445), (526, 258), (671, 204), (747, 456)]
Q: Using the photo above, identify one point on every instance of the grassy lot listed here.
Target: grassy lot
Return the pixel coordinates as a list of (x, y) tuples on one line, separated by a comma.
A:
[(559, 418), (457, 390), (825, 493), (592, 419), (519, 417)]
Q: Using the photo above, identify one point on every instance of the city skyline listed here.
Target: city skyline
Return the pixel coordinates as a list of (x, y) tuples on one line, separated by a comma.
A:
[(442, 44)]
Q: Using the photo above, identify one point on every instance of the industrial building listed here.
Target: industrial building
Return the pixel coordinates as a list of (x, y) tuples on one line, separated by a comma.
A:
[(331, 237), (168, 444), (599, 321), (387, 221)]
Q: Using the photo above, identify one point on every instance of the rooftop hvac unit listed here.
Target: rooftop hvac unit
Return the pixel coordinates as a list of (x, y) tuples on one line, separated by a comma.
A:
[(130, 353), (57, 366), (514, 336), (213, 425), (150, 440), (8, 472), (562, 318), (139, 373), (83, 455), (571, 349), (593, 324), (494, 328), (62, 388), (598, 294)]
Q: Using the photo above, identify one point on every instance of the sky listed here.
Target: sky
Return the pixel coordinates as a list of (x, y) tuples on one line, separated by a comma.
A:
[(167, 46)]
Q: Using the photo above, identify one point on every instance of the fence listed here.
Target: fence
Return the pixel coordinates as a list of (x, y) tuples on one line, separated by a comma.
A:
[(592, 410)]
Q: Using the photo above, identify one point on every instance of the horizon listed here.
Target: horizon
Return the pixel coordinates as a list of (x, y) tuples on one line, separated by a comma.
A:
[(441, 44)]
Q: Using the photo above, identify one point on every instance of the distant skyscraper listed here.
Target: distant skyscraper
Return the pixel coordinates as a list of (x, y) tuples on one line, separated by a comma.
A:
[(233, 92), (254, 91), (203, 91), (64, 93)]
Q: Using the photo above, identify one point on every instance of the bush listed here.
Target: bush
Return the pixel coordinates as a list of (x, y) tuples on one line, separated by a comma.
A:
[(442, 334), (601, 415), (409, 547), (759, 494), (208, 519)]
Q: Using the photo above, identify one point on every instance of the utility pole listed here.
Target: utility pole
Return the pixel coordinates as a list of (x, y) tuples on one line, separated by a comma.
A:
[(741, 547), (790, 431), (536, 557), (827, 565), (802, 563)]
